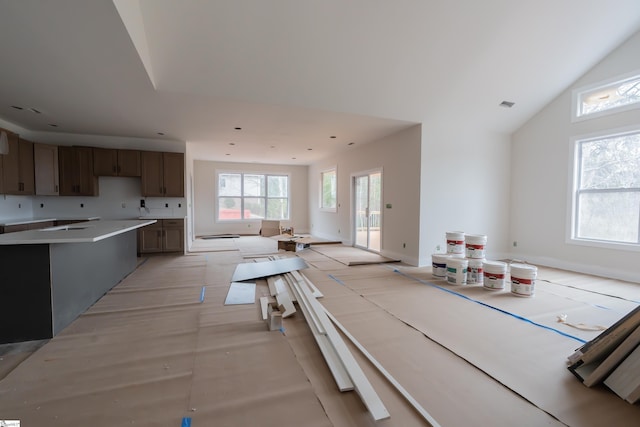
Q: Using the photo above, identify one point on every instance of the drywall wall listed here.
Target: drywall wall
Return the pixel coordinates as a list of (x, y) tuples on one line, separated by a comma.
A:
[(204, 197), (398, 156), (541, 157), (465, 182)]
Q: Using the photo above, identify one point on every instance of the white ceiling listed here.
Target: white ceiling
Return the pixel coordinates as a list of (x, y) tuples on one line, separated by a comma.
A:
[(292, 73)]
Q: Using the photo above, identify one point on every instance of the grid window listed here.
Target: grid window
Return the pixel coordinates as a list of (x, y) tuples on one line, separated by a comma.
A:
[(329, 191), (620, 95), (252, 196), (607, 189)]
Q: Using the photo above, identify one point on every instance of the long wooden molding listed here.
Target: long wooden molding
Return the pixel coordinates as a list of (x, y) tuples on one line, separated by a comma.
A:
[(413, 402)]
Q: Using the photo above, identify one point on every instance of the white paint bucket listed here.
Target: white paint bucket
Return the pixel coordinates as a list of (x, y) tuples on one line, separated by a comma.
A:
[(494, 275), (475, 244), (475, 275), (523, 279), (455, 242), (439, 265), (457, 270)]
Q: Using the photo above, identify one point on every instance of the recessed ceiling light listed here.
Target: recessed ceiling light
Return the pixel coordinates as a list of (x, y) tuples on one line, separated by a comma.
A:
[(161, 133), (507, 104), (228, 154), (33, 110), (232, 143), (332, 137), (273, 146), (309, 149), (293, 158), (238, 128), (351, 143), (53, 125), (16, 107)]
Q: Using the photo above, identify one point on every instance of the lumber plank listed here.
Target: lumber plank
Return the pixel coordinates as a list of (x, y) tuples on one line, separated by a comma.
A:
[(337, 368), (410, 399), (264, 302), (362, 386)]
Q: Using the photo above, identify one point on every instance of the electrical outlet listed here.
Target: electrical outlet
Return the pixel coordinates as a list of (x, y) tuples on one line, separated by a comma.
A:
[(142, 203), (515, 243), (438, 248), (166, 205), (404, 245)]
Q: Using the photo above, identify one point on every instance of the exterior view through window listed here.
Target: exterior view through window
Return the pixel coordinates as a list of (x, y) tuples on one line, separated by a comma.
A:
[(607, 189), (329, 194), (621, 93), (252, 196)]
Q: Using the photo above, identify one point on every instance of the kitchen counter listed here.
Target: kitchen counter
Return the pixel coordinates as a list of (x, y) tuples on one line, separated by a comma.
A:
[(20, 221), (81, 232), (51, 276)]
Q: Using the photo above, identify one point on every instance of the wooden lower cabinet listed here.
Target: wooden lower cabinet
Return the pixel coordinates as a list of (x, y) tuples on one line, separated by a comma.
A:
[(166, 235)]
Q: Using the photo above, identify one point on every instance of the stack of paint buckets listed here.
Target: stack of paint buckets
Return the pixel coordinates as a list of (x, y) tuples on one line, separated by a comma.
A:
[(465, 264)]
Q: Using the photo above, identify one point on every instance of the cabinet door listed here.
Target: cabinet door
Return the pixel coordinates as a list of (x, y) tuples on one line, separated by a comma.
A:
[(45, 160), (26, 169), (173, 235), (87, 182), (76, 171), (66, 169), (105, 162), (152, 182), (173, 169), (11, 166), (129, 163), (150, 239)]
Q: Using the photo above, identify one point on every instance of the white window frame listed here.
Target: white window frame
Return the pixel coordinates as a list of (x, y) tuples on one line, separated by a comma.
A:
[(574, 171), (324, 208), (577, 94), (242, 196)]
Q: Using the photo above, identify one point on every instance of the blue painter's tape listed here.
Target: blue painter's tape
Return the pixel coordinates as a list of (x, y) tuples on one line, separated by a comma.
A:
[(336, 279), (490, 306), (282, 330), (202, 294), (186, 422)]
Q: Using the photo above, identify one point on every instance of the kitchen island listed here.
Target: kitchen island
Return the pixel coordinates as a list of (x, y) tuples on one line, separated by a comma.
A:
[(52, 275)]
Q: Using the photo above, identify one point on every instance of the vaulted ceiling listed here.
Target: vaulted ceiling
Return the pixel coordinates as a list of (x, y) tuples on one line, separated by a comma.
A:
[(292, 74)]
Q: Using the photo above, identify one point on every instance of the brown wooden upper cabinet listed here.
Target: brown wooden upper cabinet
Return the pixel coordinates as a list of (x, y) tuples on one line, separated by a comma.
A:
[(17, 167), (162, 174), (76, 171), (45, 160), (112, 162)]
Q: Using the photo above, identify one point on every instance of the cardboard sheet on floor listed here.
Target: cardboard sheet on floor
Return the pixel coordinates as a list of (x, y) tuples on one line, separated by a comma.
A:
[(526, 358), (349, 255), (256, 270), (241, 293)]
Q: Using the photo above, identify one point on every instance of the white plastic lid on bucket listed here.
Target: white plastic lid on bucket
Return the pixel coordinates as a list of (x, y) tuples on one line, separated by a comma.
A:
[(523, 279)]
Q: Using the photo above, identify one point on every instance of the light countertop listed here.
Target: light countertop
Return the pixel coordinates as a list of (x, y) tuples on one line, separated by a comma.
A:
[(20, 221), (81, 232)]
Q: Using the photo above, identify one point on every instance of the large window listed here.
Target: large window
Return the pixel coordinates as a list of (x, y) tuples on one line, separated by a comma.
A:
[(619, 94), (252, 196), (329, 190), (606, 203)]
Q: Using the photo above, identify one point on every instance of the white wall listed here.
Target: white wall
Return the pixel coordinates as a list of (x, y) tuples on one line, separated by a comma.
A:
[(204, 182), (540, 178), (465, 186), (399, 157)]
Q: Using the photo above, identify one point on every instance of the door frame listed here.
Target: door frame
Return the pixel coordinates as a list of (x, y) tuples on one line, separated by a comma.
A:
[(352, 185)]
